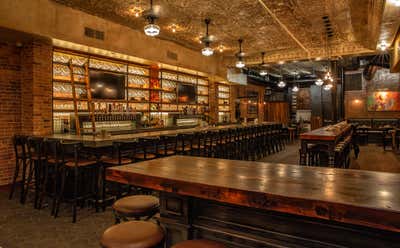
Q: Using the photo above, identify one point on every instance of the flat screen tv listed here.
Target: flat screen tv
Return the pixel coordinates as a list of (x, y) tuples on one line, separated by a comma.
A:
[(186, 93), (107, 85)]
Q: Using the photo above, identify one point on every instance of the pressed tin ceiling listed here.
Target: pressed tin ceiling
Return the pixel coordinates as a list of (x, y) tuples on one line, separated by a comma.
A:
[(293, 29)]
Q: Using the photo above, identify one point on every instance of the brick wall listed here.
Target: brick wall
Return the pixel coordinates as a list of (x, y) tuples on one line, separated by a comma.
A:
[(25, 96)]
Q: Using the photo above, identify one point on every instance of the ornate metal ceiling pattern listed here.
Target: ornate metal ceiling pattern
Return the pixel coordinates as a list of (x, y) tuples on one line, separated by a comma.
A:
[(243, 18)]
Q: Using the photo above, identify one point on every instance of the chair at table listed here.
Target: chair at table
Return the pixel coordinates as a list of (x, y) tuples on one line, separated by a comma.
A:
[(184, 142), (167, 145), (387, 138), (146, 148), (82, 173), (21, 159), (197, 144)]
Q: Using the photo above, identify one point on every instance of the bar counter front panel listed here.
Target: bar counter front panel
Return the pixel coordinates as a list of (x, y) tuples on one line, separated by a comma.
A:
[(253, 204)]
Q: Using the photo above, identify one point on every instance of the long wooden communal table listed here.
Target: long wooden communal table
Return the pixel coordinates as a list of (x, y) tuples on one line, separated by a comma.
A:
[(98, 141), (253, 204), (326, 136)]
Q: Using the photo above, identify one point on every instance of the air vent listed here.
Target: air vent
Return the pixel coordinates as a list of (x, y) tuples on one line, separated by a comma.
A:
[(328, 26), (95, 34), (172, 55)]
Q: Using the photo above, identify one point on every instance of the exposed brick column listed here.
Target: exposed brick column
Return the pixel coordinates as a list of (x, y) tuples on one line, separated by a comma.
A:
[(25, 95)]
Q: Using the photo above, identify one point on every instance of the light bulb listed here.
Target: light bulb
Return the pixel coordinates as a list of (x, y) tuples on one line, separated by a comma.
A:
[(319, 82), (281, 84), (328, 87), (383, 46), (240, 64), (295, 89), (207, 51), (263, 73), (152, 29)]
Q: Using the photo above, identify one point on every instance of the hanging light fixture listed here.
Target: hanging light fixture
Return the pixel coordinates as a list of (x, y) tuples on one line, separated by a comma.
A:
[(263, 72), (239, 63), (328, 87), (151, 29), (295, 88), (281, 84), (319, 82), (207, 50)]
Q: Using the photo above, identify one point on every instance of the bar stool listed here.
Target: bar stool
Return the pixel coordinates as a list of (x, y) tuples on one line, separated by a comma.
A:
[(198, 243), (135, 206), (36, 162), (184, 143), (21, 159), (197, 144), (133, 234), (84, 172), (146, 148), (167, 145)]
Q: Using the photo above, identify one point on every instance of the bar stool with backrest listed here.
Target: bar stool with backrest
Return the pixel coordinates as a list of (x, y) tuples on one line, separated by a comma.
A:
[(197, 144), (184, 143), (146, 148), (133, 234), (21, 159), (167, 145), (82, 171), (199, 243), (37, 159)]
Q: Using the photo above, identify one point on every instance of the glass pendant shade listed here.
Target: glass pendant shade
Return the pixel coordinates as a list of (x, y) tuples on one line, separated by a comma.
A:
[(240, 64), (319, 82), (281, 84), (295, 89), (328, 87), (152, 29), (263, 73), (207, 51)]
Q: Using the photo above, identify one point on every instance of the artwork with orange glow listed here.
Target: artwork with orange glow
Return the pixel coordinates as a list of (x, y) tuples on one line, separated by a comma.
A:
[(384, 101)]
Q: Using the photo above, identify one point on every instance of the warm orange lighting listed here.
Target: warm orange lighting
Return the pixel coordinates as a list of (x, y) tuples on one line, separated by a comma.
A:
[(357, 101), (265, 103)]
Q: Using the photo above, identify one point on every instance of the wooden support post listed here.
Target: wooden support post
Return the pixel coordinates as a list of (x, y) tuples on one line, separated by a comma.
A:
[(89, 98)]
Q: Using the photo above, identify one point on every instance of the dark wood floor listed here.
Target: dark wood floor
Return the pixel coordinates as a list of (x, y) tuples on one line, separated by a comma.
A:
[(372, 157)]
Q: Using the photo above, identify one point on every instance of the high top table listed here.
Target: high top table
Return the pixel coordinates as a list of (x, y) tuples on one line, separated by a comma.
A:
[(253, 204)]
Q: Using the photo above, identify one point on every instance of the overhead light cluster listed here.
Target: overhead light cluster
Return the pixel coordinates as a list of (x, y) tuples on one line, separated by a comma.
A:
[(382, 46), (319, 82), (207, 50), (263, 72), (281, 84), (151, 29), (295, 89)]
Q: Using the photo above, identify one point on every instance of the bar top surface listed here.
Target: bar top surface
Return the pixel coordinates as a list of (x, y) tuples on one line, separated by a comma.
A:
[(99, 139), (351, 196), (326, 133)]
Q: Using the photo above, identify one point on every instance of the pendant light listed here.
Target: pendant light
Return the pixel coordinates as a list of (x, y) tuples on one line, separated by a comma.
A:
[(319, 82), (207, 50), (151, 29), (281, 84), (328, 87), (263, 72), (239, 63), (295, 88)]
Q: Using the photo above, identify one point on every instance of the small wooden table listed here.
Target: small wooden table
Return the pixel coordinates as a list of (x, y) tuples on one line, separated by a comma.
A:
[(253, 204)]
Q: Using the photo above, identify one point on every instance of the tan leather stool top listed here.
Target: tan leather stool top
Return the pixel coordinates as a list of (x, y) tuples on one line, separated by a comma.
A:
[(132, 234), (136, 204), (199, 243)]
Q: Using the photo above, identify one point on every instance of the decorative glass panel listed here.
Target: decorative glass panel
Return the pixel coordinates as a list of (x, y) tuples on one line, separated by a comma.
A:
[(169, 97), (202, 99), (138, 70), (168, 85), (168, 75), (59, 57), (62, 72), (138, 95), (187, 79), (223, 95), (223, 88), (133, 107), (138, 81), (64, 90), (169, 107), (108, 66), (201, 90), (202, 81)]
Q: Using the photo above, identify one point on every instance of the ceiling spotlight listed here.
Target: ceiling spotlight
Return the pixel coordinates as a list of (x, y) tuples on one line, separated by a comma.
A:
[(383, 45), (173, 28), (281, 84), (221, 48), (295, 89), (239, 55), (207, 50), (151, 29), (319, 82), (328, 87)]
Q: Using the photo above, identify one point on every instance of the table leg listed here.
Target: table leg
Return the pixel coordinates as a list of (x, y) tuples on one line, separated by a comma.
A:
[(303, 153)]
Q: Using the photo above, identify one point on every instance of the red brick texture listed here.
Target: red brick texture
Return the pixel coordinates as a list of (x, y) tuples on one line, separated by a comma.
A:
[(25, 96)]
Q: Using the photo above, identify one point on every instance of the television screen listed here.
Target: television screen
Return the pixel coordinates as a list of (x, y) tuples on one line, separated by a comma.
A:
[(107, 85), (186, 93)]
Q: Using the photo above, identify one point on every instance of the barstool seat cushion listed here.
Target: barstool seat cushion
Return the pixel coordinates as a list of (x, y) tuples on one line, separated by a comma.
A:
[(166, 152), (136, 204), (132, 234), (142, 156), (199, 243)]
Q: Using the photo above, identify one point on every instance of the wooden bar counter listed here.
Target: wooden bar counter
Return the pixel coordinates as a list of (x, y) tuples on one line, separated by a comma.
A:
[(328, 137), (253, 204)]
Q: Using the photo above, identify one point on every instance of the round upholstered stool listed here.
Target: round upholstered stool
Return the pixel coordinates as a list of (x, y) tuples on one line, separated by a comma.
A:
[(135, 206), (133, 234), (199, 243)]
